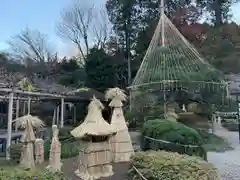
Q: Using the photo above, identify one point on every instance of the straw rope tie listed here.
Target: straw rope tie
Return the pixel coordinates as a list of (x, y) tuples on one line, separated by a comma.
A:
[(168, 142), (139, 173), (159, 140)]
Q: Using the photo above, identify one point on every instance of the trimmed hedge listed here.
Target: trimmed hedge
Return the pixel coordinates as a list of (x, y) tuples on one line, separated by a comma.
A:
[(162, 165), (15, 152), (16, 173), (176, 134)]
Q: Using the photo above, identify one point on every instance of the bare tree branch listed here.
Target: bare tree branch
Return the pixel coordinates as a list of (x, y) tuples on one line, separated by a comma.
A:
[(32, 49), (30, 45), (84, 26), (101, 29)]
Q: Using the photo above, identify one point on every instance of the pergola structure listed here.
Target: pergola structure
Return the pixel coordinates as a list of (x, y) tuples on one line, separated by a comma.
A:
[(17, 87)]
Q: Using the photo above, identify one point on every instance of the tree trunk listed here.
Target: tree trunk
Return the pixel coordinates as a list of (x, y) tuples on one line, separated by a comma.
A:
[(218, 13)]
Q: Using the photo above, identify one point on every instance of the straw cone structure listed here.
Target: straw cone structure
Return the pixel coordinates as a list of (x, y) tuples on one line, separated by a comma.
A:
[(55, 152), (28, 122), (39, 151), (95, 156), (121, 144)]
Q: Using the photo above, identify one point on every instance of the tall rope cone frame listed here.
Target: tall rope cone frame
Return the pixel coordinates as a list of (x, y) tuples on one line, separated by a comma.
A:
[(171, 63), (121, 143)]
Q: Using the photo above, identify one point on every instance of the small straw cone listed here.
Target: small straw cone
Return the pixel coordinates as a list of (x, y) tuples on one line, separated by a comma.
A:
[(117, 96), (55, 152), (28, 122)]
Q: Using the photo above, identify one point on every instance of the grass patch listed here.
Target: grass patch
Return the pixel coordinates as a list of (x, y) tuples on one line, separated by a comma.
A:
[(213, 142), (17, 173)]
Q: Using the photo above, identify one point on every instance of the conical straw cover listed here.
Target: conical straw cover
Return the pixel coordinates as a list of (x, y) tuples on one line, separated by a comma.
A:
[(94, 124)]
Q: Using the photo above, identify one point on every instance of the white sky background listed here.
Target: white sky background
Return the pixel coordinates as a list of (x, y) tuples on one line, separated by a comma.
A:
[(236, 13)]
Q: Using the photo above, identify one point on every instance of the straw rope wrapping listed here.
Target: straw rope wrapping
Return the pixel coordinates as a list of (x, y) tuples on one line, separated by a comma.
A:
[(188, 148)]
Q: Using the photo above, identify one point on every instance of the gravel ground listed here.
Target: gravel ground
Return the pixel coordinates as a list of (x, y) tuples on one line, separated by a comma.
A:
[(228, 162)]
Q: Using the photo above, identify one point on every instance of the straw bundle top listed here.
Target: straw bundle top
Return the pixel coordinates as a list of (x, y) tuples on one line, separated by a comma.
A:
[(117, 96), (55, 130), (28, 122), (94, 124)]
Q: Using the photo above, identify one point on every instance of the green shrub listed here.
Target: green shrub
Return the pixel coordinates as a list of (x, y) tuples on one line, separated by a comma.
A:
[(163, 165), (176, 133), (68, 149), (16, 173), (133, 119), (64, 133), (15, 152), (47, 147)]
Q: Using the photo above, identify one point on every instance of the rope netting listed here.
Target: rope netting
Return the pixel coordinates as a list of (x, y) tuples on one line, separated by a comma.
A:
[(175, 61), (171, 63)]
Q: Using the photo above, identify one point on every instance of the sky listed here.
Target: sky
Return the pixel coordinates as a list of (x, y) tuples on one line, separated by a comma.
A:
[(43, 15)]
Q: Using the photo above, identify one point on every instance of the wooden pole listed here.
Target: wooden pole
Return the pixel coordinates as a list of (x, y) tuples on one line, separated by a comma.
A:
[(238, 118), (62, 113), (24, 108), (58, 116), (17, 113), (9, 130), (74, 114), (54, 117), (29, 105)]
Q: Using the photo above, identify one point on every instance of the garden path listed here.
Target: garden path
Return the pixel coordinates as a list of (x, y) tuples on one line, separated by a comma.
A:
[(227, 162)]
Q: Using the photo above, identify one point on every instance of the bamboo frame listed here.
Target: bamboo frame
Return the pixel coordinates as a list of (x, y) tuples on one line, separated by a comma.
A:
[(9, 130)]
